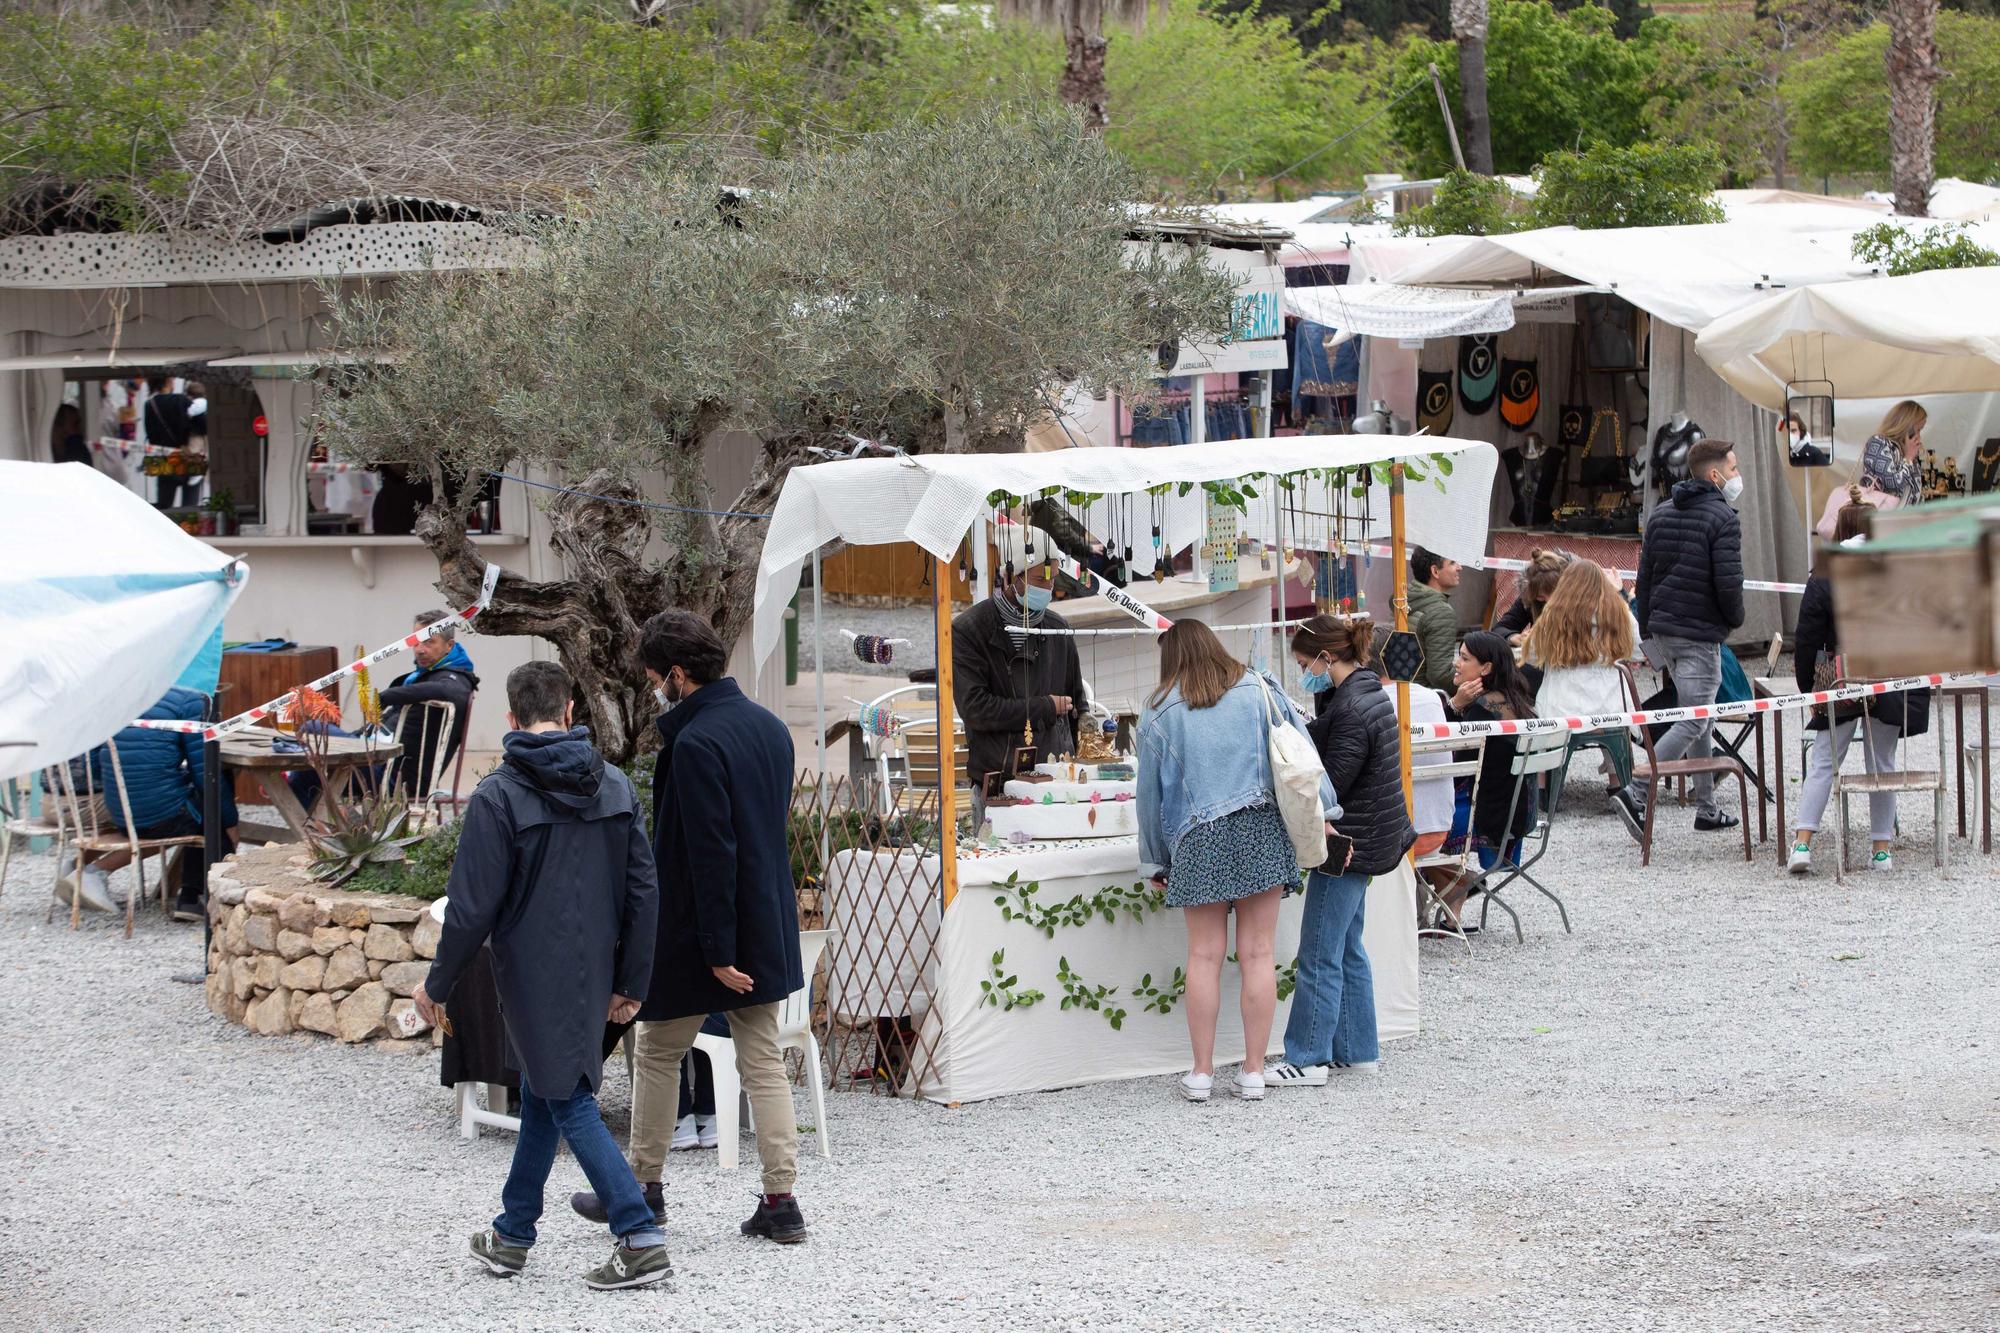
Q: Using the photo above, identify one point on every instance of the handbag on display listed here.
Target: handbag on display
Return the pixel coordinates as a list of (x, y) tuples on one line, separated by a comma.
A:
[(1296, 773), (1830, 518), (1828, 670), (1520, 394), (1434, 401), (1478, 372), (1600, 470)]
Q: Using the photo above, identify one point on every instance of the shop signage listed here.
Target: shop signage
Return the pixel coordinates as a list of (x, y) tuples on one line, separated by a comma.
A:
[(1258, 340)]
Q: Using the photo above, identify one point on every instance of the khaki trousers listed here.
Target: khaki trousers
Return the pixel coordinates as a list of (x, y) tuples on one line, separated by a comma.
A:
[(760, 1065)]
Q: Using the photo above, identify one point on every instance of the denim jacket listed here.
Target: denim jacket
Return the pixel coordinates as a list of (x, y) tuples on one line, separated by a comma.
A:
[(1198, 764)]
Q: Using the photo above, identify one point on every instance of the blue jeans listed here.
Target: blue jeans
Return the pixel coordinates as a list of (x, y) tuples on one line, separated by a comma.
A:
[(1333, 1007), (576, 1120)]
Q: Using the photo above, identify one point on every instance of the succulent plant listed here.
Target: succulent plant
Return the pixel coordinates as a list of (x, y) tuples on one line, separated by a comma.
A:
[(373, 836)]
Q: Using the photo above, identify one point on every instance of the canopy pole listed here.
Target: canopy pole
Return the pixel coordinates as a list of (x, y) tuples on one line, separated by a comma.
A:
[(947, 742), (1401, 575), (819, 670)]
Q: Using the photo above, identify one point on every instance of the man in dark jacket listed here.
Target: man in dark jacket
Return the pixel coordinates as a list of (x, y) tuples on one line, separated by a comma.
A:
[(1690, 597), (554, 869), (729, 921), (1000, 682), (164, 781)]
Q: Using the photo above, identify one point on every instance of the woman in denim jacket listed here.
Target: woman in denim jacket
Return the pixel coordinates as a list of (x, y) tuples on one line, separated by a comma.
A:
[(1211, 834)]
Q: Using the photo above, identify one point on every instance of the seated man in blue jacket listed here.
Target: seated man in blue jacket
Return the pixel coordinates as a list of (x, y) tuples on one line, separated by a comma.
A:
[(163, 783)]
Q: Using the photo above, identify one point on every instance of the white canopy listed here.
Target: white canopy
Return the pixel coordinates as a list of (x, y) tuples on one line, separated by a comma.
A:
[(1399, 310), (1928, 333), (934, 499), (103, 601)]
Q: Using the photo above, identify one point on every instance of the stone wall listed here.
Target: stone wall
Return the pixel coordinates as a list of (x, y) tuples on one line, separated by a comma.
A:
[(288, 955)]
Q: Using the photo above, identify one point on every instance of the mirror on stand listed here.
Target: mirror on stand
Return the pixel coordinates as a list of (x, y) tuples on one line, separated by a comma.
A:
[(1806, 429)]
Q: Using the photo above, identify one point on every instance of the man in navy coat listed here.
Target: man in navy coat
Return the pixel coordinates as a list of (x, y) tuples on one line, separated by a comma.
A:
[(554, 869), (729, 923)]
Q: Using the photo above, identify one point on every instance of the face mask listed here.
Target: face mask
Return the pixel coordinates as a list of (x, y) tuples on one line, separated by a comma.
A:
[(1037, 599), (1315, 682), (660, 698), (1732, 490)]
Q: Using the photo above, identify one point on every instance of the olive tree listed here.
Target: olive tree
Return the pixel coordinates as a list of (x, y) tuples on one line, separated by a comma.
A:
[(929, 287)]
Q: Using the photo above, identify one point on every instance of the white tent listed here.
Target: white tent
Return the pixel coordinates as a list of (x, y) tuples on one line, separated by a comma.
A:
[(102, 602), (1928, 333)]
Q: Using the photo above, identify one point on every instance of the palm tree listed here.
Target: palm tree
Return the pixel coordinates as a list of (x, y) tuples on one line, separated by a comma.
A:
[(1082, 25), (1913, 75), (1468, 28)]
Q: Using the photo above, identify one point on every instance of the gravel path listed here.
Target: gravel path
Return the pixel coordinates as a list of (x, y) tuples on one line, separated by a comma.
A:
[(1730, 1100)]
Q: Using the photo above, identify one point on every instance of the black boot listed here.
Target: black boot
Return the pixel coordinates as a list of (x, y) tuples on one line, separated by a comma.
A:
[(780, 1221), (589, 1205)]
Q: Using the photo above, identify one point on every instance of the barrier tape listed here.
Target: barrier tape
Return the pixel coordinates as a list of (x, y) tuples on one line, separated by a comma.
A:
[(1534, 726), (1629, 575), (126, 448), (1114, 594), (209, 731)]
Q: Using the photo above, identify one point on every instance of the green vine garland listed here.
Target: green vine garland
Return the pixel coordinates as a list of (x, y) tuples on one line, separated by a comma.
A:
[(1136, 902), (1000, 992)]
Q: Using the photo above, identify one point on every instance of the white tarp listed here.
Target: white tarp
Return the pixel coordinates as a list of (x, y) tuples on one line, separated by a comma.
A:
[(933, 499), (1400, 310), (102, 602), (1928, 333)]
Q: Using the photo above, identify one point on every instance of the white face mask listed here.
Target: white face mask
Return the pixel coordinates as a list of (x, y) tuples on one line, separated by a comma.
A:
[(1732, 490)]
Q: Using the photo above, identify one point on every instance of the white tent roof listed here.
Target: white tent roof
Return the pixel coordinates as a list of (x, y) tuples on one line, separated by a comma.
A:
[(934, 499), (103, 601), (1927, 333), (1400, 310)]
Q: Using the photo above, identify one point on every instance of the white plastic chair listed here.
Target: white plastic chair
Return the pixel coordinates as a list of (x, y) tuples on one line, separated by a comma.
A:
[(471, 1115), (732, 1108)]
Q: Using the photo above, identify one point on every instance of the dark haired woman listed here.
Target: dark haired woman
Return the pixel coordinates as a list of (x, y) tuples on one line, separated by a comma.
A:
[(1333, 1008), (1490, 687)]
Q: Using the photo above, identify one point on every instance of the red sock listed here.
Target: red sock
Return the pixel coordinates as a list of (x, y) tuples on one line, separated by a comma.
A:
[(771, 1200)]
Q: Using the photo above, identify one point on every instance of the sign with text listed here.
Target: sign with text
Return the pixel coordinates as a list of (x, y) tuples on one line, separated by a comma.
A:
[(1257, 341)]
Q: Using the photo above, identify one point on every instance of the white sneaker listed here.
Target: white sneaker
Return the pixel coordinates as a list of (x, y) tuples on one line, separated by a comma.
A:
[(1370, 1067), (96, 888), (1283, 1075), (1250, 1087), (1800, 861), (705, 1131), (1880, 861), (685, 1138), (1196, 1087)]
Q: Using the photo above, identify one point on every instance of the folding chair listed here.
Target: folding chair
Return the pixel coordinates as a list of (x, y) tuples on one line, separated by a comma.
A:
[(1534, 757), (1655, 773), (455, 795), (1462, 862), (1892, 780), (18, 818), (1730, 735), (419, 774), (89, 830)]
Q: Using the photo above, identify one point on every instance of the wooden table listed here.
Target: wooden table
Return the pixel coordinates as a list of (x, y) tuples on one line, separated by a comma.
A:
[(250, 753), (1767, 687), (1958, 694)]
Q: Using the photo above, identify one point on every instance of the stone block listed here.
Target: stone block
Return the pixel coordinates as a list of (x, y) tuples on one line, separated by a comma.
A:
[(271, 1016), (360, 1015), (387, 944), (345, 969), (243, 978), (338, 995), (328, 938), (357, 937), (297, 1005), (293, 946), (404, 978), (304, 973), (238, 1009), (317, 1015), (397, 914), (262, 901), (424, 936), (347, 912), (302, 914), (405, 1021), (375, 967), (260, 932), (215, 989), (264, 969), (414, 1046), (222, 889)]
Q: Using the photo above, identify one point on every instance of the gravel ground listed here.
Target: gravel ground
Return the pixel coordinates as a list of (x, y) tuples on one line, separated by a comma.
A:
[(1729, 1100)]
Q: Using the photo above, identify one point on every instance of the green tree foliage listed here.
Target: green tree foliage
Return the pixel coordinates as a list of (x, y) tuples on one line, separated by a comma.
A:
[(1465, 205), (1840, 102), (1642, 185), (1554, 80), (1901, 251)]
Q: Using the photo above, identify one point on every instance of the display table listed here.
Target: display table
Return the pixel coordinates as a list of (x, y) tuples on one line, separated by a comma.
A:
[(894, 954)]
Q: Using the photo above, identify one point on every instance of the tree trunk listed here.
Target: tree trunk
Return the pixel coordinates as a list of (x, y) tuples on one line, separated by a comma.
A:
[(1083, 62), (1468, 26), (1913, 76)]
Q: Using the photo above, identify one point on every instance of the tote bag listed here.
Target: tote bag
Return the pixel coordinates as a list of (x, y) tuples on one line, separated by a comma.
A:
[(1296, 773)]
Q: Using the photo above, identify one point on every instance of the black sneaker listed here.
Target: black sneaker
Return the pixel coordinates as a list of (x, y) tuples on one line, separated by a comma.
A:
[(501, 1259), (589, 1206), (1716, 822), (631, 1268), (1633, 813), (780, 1221), (187, 907)]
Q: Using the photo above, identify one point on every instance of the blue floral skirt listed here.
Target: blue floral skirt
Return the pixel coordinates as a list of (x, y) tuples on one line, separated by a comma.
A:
[(1232, 857)]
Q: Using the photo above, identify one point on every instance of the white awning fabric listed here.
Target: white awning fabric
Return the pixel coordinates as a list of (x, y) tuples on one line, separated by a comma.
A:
[(291, 359), (1928, 333), (107, 358), (933, 499), (92, 632), (1399, 310)]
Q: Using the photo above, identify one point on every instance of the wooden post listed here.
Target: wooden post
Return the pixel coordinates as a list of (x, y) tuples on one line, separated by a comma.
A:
[(1450, 129), (947, 741), (1401, 575)]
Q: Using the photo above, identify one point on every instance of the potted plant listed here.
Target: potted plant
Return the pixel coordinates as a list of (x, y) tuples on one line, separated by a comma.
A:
[(220, 508)]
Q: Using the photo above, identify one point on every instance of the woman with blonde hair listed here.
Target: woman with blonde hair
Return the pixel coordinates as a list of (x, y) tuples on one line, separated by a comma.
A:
[(1889, 459), (1211, 835), (1582, 635)]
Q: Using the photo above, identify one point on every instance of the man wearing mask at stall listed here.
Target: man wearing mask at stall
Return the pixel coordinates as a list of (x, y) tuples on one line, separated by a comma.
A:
[(1003, 683)]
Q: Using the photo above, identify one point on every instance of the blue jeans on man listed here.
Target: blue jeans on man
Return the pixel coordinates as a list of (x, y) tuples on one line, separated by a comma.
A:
[(577, 1121), (1333, 1004), (1696, 667)]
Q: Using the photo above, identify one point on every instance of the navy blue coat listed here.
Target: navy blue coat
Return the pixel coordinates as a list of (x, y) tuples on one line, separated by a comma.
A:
[(163, 769), (553, 867), (722, 794)]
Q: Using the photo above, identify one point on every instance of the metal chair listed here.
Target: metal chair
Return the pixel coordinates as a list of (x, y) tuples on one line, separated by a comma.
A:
[(1655, 773), (1535, 757), (1892, 780), (19, 818), (419, 774), (1431, 905)]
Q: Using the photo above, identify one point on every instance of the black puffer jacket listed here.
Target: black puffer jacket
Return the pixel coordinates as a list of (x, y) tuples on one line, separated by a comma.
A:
[(1355, 731), (1691, 568)]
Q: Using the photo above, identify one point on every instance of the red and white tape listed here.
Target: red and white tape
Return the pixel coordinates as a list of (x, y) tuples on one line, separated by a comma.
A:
[(1114, 594), (1535, 726), (1629, 575), (126, 448), (209, 731)]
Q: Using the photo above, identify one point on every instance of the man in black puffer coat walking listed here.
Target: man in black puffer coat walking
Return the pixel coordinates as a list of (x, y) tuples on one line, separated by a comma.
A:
[(1690, 597)]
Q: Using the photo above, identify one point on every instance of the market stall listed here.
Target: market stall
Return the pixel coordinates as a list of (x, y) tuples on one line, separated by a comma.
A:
[(1026, 952)]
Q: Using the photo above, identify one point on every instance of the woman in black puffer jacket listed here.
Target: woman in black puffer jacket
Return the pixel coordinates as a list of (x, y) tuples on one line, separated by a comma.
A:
[(1333, 1008)]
